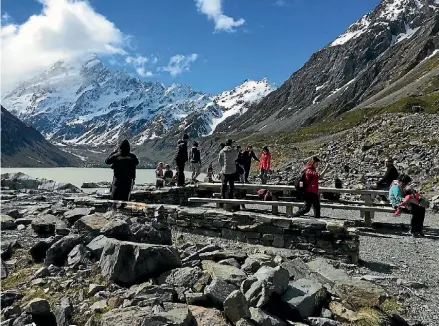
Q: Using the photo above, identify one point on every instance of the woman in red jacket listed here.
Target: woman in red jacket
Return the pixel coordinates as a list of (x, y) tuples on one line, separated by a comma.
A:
[(311, 188), (264, 164)]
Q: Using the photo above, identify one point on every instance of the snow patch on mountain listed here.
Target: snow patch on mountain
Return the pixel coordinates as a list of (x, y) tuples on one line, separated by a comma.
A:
[(238, 99), (82, 102)]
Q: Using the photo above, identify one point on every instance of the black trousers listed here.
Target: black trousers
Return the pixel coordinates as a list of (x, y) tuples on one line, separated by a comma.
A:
[(180, 178), (247, 172), (311, 199), (418, 216), (230, 180), (120, 190)]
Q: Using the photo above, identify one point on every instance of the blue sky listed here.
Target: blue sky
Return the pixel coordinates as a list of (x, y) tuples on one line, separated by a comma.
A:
[(211, 45)]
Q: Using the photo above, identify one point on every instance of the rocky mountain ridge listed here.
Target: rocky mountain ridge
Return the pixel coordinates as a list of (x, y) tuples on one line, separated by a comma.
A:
[(23, 146), (379, 49), (82, 102)]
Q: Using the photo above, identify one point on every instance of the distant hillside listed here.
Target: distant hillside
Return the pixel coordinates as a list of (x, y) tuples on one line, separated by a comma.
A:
[(23, 146)]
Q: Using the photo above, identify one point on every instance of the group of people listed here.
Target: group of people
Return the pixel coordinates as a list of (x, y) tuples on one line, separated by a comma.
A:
[(235, 165), (402, 196)]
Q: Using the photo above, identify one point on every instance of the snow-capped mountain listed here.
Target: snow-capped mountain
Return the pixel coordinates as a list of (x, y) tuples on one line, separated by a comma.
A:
[(379, 50), (82, 102)]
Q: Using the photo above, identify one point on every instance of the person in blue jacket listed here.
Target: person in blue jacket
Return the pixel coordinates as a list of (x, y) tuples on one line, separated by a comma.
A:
[(397, 195)]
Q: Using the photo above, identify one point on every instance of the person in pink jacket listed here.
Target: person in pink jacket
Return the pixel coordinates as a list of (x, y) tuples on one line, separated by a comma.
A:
[(264, 164)]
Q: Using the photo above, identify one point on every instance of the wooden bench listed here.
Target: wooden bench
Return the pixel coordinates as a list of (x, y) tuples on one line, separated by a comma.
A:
[(367, 208)]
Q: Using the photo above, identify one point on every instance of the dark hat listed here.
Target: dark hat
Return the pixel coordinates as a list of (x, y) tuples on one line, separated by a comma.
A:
[(315, 159), (185, 136), (229, 142), (195, 143)]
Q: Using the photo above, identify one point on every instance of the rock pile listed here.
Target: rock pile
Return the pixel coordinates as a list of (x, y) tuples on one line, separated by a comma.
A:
[(122, 268), (358, 155)]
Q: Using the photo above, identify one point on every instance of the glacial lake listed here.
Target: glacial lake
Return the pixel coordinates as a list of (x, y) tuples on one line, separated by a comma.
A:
[(78, 176)]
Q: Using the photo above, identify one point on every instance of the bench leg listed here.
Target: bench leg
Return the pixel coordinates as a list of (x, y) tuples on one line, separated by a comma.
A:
[(289, 209), (367, 215), (274, 209)]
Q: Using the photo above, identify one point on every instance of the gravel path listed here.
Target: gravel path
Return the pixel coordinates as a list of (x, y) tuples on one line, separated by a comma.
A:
[(408, 267)]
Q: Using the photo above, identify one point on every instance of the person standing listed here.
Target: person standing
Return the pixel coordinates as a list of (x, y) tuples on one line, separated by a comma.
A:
[(310, 185), (405, 199), (240, 171), (227, 160), (123, 163), (195, 161), (247, 157), (181, 158), (264, 164)]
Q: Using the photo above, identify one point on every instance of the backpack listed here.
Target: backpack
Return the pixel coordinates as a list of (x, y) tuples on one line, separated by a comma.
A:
[(299, 179)]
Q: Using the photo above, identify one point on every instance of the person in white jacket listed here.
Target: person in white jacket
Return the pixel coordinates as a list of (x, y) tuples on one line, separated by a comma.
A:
[(227, 160)]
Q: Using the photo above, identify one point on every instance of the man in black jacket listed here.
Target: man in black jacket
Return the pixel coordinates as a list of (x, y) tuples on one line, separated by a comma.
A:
[(181, 158), (123, 163), (390, 175), (247, 157)]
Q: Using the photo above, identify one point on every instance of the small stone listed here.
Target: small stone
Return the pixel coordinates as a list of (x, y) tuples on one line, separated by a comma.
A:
[(316, 321), (44, 224), (63, 312), (38, 306), (11, 312), (94, 288), (99, 306), (42, 272), (79, 256), (244, 322), (196, 298), (97, 245)]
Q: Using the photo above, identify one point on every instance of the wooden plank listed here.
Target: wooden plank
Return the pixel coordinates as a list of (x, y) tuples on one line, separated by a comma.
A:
[(286, 204), (210, 186)]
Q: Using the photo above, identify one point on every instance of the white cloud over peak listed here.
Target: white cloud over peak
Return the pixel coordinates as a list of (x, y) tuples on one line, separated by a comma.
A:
[(179, 63), (213, 10), (63, 29), (139, 63)]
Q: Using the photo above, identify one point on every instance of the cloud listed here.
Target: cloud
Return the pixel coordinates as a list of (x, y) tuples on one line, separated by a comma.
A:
[(64, 29), (143, 73), (213, 10), (281, 3), (6, 18), (139, 63), (179, 63)]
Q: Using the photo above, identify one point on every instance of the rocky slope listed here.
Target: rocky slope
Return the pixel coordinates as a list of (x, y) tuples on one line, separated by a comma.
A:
[(23, 146), (65, 261), (379, 49), (82, 102)]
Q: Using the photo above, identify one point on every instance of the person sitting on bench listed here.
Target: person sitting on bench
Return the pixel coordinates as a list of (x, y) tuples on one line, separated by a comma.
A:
[(391, 175)]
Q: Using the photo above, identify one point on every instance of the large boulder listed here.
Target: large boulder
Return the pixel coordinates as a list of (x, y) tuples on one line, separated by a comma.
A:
[(227, 273), (75, 214), (150, 292), (7, 222), (207, 316), (63, 312), (38, 251), (305, 296), (103, 224), (256, 261), (261, 318), (266, 281), (357, 293), (218, 291), (44, 224), (57, 253), (236, 306), (185, 277), (96, 246), (79, 256), (37, 306), (130, 263), (145, 316), (146, 233)]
